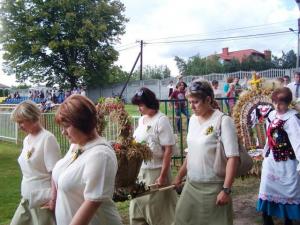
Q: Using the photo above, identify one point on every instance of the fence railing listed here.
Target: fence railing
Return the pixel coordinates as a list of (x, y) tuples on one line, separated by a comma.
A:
[(10, 132)]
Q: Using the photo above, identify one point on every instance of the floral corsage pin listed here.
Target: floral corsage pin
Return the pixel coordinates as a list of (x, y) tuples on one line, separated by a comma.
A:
[(76, 153), (148, 128), (29, 153), (209, 130)]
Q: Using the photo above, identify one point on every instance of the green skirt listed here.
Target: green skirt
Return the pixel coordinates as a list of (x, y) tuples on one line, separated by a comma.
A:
[(35, 216), (154, 209), (197, 205)]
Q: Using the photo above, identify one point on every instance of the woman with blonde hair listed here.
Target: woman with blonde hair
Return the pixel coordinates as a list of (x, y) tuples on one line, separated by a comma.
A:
[(39, 154), (85, 177), (206, 198)]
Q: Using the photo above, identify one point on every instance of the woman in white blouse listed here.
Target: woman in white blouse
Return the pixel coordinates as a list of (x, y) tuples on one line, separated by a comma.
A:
[(85, 177), (155, 129), (39, 154), (205, 198)]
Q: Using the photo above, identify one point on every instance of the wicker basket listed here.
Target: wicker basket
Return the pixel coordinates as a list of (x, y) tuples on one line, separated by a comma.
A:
[(128, 171)]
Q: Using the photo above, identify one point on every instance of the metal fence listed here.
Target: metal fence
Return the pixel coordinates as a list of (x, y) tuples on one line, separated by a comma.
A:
[(159, 87), (9, 130)]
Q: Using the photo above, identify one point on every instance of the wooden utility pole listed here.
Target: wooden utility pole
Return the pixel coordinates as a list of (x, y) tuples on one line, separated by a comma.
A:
[(141, 60)]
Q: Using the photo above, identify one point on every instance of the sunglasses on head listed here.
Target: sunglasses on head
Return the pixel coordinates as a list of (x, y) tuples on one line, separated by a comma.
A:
[(139, 93), (195, 87)]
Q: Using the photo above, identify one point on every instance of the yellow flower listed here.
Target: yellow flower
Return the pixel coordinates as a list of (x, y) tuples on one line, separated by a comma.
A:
[(148, 128), (76, 153), (209, 130), (29, 153)]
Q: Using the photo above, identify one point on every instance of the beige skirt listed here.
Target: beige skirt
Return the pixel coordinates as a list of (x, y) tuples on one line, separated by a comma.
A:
[(35, 216), (197, 205), (155, 209)]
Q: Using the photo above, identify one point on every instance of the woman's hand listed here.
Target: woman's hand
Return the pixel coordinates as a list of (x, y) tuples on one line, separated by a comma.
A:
[(177, 182), (222, 198), (161, 181), (49, 205)]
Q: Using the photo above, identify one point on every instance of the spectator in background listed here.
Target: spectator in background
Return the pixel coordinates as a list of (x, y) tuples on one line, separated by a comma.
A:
[(244, 83), (280, 80), (286, 80), (237, 87), (295, 87), (171, 88), (217, 91), (229, 93), (180, 103)]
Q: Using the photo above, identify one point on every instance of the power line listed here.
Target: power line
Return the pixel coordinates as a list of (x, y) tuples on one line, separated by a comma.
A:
[(222, 31), (221, 38)]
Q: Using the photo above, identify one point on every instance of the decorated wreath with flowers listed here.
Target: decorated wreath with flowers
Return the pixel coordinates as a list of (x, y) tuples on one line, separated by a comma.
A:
[(249, 117), (130, 154)]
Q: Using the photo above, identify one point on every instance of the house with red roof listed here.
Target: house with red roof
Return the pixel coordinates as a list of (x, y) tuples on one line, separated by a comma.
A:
[(243, 54)]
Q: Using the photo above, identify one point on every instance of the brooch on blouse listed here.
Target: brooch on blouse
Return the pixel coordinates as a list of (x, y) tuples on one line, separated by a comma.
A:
[(209, 130), (76, 153), (148, 128), (29, 153)]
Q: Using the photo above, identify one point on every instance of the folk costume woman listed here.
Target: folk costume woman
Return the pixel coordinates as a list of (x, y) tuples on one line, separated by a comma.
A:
[(205, 199), (279, 192), (85, 177), (155, 129), (39, 154)]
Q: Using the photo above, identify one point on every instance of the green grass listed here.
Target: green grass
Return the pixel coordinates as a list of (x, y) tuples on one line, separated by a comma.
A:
[(10, 181)]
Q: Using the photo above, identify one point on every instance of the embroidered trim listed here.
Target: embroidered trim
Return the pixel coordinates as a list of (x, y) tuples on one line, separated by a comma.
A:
[(279, 199)]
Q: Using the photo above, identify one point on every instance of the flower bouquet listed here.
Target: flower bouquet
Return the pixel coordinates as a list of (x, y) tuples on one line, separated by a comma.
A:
[(130, 154)]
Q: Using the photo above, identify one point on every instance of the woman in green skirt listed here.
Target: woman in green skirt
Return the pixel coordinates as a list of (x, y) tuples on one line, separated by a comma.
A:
[(206, 198)]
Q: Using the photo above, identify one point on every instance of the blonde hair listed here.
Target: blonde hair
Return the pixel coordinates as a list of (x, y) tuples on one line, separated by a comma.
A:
[(26, 110)]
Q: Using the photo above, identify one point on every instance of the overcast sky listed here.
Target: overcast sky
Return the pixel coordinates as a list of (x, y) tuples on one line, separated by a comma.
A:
[(176, 20)]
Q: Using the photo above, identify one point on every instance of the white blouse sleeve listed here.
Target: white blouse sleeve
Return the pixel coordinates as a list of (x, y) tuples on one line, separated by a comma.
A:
[(165, 132), (229, 137), (99, 176), (51, 152), (292, 128)]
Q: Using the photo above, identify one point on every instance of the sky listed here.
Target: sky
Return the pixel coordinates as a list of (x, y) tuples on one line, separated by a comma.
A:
[(156, 21)]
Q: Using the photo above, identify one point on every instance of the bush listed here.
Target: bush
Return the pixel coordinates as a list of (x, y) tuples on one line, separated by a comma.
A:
[(1, 93), (6, 92)]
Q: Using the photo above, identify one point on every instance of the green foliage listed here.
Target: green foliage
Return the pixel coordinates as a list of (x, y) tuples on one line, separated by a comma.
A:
[(21, 86), (1, 92), (152, 72), (61, 42), (10, 181), (196, 65), (117, 75), (6, 92), (287, 60)]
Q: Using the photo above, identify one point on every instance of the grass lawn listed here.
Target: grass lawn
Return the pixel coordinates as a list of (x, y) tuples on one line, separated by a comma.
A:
[(10, 181)]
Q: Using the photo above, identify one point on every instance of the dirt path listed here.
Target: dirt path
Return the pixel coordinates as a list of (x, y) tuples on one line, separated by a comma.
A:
[(244, 210)]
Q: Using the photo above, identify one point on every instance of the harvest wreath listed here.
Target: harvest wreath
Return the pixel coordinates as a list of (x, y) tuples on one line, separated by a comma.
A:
[(130, 154), (248, 115)]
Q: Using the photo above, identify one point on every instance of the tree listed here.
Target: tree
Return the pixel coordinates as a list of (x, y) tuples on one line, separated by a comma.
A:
[(181, 65), (152, 72), (65, 42)]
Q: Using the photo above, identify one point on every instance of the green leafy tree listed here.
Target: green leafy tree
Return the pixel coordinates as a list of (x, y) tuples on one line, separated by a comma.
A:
[(1, 92), (181, 65), (152, 72), (64, 42), (117, 75), (6, 92)]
